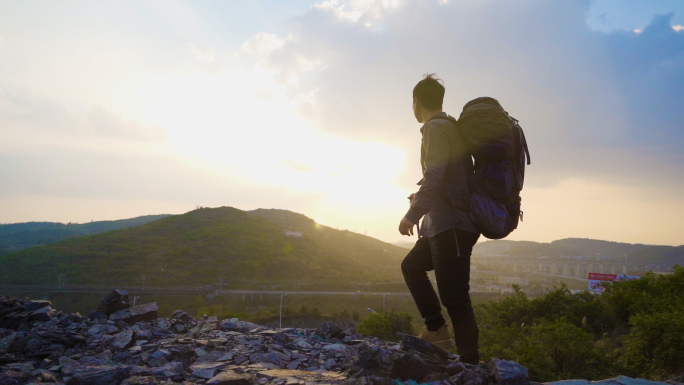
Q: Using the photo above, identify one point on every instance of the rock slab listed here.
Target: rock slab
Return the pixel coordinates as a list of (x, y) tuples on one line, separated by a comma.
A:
[(508, 372)]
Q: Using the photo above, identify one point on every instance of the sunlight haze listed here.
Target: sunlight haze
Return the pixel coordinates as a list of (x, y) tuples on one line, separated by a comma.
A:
[(112, 110)]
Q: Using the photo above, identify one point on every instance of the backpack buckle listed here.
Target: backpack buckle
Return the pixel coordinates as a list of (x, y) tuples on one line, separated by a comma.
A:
[(521, 216)]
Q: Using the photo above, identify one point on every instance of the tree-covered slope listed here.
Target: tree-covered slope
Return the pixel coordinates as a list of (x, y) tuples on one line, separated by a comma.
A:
[(205, 245), (18, 236)]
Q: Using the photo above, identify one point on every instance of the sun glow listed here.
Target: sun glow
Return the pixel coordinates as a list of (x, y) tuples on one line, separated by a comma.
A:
[(241, 126)]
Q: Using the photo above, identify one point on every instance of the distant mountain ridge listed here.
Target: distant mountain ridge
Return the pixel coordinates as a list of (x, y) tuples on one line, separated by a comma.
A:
[(207, 245), (575, 247), (18, 236)]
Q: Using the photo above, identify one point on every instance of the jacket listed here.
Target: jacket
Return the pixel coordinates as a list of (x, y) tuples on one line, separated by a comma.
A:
[(443, 197)]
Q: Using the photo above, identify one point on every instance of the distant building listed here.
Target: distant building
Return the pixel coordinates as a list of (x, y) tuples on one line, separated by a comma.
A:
[(290, 233), (510, 280)]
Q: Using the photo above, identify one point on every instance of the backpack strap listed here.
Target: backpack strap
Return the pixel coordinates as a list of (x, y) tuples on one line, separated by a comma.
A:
[(527, 151), (448, 117), (522, 137)]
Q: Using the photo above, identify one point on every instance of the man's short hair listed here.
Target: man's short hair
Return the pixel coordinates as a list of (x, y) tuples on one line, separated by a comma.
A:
[(430, 92)]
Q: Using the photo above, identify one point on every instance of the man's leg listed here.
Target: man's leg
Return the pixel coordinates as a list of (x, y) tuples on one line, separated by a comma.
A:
[(453, 278), (415, 267)]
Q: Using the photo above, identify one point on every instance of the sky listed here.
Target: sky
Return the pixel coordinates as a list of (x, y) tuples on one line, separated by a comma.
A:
[(111, 110)]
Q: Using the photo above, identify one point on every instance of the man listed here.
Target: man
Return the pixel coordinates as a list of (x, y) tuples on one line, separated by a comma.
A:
[(446, 235)]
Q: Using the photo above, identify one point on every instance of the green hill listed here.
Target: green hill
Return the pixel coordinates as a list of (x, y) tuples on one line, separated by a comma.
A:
[(18, 236), (205, 245)]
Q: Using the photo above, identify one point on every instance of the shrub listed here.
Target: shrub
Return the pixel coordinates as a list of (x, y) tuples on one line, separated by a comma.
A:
[(559, 350), (386, 325), (655, 345), (376, 325)]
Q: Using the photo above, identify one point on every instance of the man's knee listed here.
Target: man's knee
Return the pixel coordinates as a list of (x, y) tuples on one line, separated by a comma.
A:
[(406, 267), (455, 297)]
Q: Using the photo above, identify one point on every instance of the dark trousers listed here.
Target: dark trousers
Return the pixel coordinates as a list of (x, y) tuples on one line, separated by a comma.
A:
[(441, 254)]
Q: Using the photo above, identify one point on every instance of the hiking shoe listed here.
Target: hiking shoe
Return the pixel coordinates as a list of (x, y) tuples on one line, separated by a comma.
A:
[(440, 337)]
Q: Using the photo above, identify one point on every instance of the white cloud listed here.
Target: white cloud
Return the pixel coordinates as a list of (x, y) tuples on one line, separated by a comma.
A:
[(207, 56), (355, 10), (263, 43), (678, 28)]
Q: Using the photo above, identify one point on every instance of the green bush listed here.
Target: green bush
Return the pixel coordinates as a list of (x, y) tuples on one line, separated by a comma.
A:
[(655, 345), (559, 350), (401, 323), (376, 325), (386, 325), (634, 328)]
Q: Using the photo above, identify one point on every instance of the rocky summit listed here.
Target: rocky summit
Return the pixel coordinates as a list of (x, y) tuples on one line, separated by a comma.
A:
[(120, 344)]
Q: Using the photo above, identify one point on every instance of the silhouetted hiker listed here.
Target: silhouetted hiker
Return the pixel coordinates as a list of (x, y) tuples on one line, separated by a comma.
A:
[(447, 234)]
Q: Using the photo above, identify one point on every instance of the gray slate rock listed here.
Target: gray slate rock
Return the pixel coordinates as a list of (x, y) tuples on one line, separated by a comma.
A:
[(122, 340), (330, 330), (206, 370), (99, 375), (115, 301), (231, 378), (96, 315), (509, 372), (140, 380), (34, 305), (145, 312)]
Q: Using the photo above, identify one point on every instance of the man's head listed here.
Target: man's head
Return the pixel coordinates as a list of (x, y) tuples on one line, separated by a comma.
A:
[(428, 96)]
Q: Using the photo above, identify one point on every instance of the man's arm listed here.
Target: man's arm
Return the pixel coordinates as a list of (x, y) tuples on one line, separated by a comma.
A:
[(437, 154)]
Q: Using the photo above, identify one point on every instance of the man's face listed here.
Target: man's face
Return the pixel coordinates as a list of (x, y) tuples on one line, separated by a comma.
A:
[(416, 107)]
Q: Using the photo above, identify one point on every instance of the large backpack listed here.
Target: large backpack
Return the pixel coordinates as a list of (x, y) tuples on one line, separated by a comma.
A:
[(497, 144)]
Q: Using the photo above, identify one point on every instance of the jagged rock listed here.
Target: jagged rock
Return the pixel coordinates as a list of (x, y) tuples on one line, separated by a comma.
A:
[(7, 340), (68, 365), (414, 343), (455, 367), (169, 370), (145, 312), (330, 330), (231, 378), (206, 370), (181, 316), (42, 375), (13, 320), (102, 329), (229, 325), (34, 305), (115, 301), (271, 358), (99, 375), (140, 380), (122, 340), (508, 372), (75, 318), (414, 367), (43, 314), (281, 338), (474, 376), (97, 315), (24, 367), (11, 377)]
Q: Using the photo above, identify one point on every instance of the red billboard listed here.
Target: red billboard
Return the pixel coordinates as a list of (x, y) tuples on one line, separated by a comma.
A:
[(595, 280)]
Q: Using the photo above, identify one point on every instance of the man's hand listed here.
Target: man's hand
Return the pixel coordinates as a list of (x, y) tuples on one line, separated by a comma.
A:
[(410, 198), (406, 227)]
